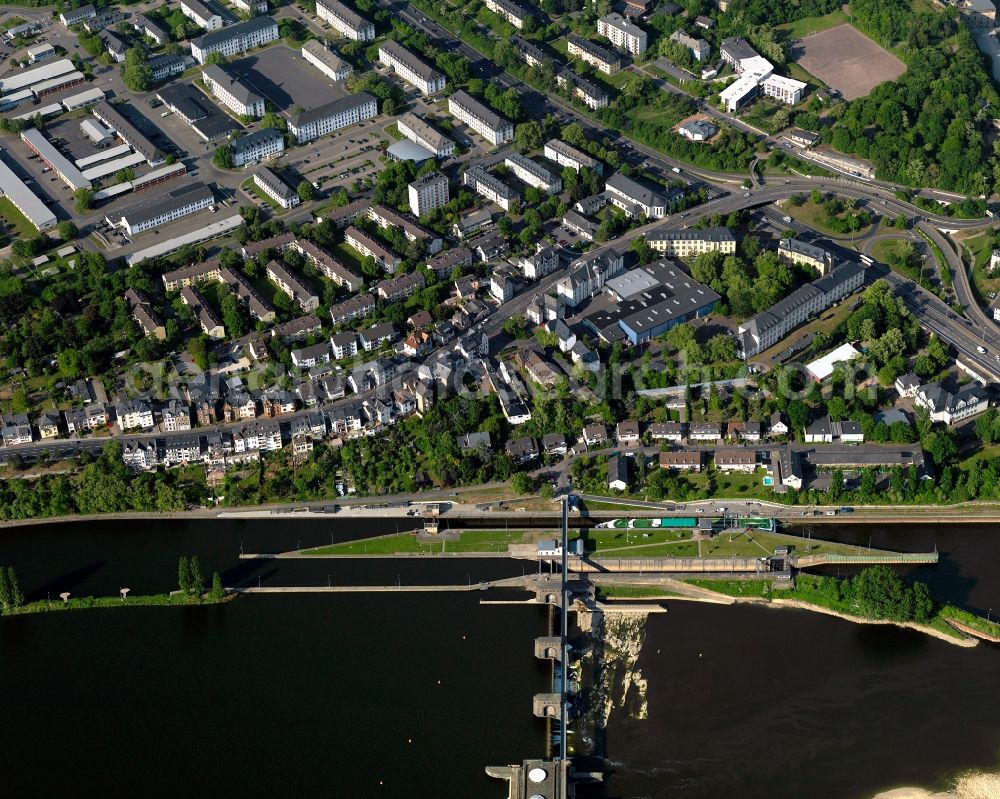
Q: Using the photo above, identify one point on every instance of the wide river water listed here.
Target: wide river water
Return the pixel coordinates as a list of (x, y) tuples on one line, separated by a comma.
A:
[(411, 695)]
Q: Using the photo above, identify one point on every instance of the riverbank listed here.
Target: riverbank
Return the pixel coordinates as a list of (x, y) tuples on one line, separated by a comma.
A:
[(760, 592), (90, 602)]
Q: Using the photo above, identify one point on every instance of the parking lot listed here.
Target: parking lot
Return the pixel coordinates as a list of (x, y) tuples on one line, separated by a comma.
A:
[(284, 78)]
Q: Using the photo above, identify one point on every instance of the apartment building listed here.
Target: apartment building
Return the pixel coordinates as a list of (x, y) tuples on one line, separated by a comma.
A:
[(293, 286), (332, 116), (164, 66), (622, 33), (235, 39), (634, 198), (209, 321), (345, 20), (399, 288), (330, 267), (134, 414), (410, 68), (787, 90), (768, 328), (419, 132), (948, 407), (201, 15), (598, 57), (258, 146), (144, 315), (514, 13), (369, 247), (326, 61), (588, 275), (488, 124), (566, 155), (533, 174), (388, 219), (793, 251), (157, 211), (428, 192), (275, 188), (691, 242), (352, 308), (493, 189), (232, 92), (700, 49), (589, 93)]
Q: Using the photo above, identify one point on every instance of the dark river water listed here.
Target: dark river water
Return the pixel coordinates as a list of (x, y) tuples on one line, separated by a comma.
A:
[(338, 695)]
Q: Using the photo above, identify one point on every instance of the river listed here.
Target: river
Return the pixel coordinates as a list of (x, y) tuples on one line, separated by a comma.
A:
[(303, 695)]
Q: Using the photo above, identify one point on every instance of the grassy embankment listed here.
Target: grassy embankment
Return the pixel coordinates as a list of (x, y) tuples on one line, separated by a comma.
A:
[(634, 592), (90, 602), (823, 592), (468, 541)]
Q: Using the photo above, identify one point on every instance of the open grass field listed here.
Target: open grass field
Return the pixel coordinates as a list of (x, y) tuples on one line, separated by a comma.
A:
[(17, 223), (804, 27), (815, 216), (468, 541), (846, 60)]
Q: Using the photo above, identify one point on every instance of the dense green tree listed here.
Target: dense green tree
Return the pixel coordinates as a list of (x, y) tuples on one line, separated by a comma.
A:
[(197, 578), (184, 574)]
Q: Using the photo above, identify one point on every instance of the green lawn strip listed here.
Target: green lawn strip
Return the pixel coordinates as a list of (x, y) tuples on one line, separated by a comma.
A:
[(350, 256), (88, 602), (970, 620), (803, 27), (946, 276), (634, 591), (20, 227), (738, 588), (600, 540), (468, 541), (392, 131)]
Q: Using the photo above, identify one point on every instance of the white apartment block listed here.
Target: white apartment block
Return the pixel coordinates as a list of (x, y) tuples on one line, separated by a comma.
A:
[(488, 124), (410, 68), (345, 20), (333, 116), (493, 189), (563, 154), (622, 33), (595, 55), (510, 11), (251, 6), (634, 198), (201, 16), (232, 92), (691, 242), (592, 95), (785, 89), (419, 132), (235, 39), (275, 188), (326, 61), (428, 192), (292, 286), (527, 171), (157, 211), (257, 146)]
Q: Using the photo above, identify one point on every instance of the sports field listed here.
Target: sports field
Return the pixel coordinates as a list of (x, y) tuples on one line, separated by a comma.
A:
[(846, 60)]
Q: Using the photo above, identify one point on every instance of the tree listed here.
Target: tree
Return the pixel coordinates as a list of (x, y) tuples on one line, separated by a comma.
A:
[(522, 483), (184, 575), (217, 590), (528, 136), (83, 200), (197, 578), (880, 594), (136, 74), (15, 594), (223, 157), (305, 191), (515, 327), (4, 590), (923, 605), (67, 230)]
